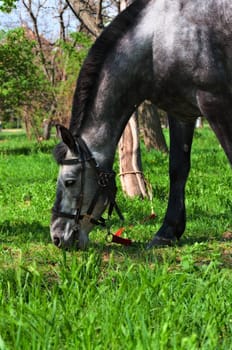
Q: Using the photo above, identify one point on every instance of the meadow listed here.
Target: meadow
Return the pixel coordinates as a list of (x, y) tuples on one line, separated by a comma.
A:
[(110, 296)]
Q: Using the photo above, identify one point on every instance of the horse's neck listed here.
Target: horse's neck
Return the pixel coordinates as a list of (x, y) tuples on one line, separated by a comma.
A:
[(125, 81)]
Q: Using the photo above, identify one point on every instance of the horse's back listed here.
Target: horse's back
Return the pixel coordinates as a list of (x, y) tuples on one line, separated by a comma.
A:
[(191, 43)]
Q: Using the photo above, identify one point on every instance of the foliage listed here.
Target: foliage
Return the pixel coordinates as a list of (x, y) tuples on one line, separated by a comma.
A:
[(68, 61), (74, 51), (23, 86), (7, 5), (2, 34), (25, 91), (112, 297)]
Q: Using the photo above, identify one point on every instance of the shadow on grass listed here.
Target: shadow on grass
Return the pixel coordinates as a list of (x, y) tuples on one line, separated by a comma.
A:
[(199, 239), (119, 253), (23, 232), (35, 232), (27, 150), (139, 249)]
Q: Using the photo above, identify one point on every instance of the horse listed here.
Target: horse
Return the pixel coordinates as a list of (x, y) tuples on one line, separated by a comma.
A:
[(176, 54)]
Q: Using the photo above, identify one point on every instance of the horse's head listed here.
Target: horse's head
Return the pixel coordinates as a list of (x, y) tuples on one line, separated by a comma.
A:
[(83, 192)]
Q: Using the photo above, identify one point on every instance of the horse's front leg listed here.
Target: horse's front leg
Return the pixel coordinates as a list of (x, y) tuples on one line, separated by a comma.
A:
[(181, 135)]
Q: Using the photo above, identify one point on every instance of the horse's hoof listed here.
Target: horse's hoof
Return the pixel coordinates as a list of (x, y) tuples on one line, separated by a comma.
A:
[(159, 241)]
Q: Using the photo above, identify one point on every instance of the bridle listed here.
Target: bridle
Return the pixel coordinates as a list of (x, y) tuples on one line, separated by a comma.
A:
[(106, 185)]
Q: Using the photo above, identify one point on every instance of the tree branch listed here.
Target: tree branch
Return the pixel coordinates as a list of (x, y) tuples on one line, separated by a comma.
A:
[(86, 19)]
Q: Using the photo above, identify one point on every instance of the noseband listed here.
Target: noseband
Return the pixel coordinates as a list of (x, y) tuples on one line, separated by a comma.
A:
[(106, 186)]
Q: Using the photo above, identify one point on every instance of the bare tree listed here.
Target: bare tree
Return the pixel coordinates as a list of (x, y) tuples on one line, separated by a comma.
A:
[(49, 54), (89, 14), (34, 13), (62, 7)]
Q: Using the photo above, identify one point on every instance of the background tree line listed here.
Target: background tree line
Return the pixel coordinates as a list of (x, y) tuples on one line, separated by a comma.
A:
[(37, 76)]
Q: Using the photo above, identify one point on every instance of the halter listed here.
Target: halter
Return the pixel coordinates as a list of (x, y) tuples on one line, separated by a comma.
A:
[(106, 185)]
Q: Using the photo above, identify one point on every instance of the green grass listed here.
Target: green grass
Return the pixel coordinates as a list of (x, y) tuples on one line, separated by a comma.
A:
[(113, 297)]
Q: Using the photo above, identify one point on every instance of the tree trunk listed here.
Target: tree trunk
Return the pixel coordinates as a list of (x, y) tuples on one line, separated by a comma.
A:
[(83, 10), (47, 127), (27, 122), (132, 179), (152, 131)]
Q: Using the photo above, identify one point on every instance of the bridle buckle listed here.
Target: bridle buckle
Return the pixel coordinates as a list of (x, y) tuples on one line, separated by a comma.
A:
[(76, 227), (104, 178)]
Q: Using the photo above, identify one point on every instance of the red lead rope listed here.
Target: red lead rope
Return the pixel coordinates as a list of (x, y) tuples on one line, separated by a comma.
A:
[(120, 240), (116, 238)]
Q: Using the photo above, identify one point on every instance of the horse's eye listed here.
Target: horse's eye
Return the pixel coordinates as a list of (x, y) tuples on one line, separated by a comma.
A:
[(69, 183)]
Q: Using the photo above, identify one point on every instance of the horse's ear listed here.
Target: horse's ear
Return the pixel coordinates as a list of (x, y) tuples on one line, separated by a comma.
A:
[(65, 135)]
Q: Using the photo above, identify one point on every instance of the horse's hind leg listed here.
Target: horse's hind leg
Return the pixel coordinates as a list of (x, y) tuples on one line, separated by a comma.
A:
[(218, 111), (181, 135)]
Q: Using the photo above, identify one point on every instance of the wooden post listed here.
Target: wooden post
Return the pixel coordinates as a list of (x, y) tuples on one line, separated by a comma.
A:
[(131, 175)]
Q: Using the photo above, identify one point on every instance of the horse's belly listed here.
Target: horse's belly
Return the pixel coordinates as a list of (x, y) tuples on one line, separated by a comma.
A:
[(182, 105)]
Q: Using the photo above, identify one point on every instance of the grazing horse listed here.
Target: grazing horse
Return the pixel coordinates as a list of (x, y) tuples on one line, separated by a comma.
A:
[(178, 55)]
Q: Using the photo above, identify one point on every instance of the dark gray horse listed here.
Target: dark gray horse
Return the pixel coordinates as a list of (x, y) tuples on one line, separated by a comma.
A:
[(175, 53)]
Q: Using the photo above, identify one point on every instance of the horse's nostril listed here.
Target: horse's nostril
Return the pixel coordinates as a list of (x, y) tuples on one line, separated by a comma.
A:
[(56, 241)]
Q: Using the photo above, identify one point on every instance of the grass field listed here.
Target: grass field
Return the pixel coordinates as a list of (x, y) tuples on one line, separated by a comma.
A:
[(113, 297)]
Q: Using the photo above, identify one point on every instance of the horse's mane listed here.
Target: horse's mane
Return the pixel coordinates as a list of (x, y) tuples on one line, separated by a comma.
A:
[(91, 68)]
